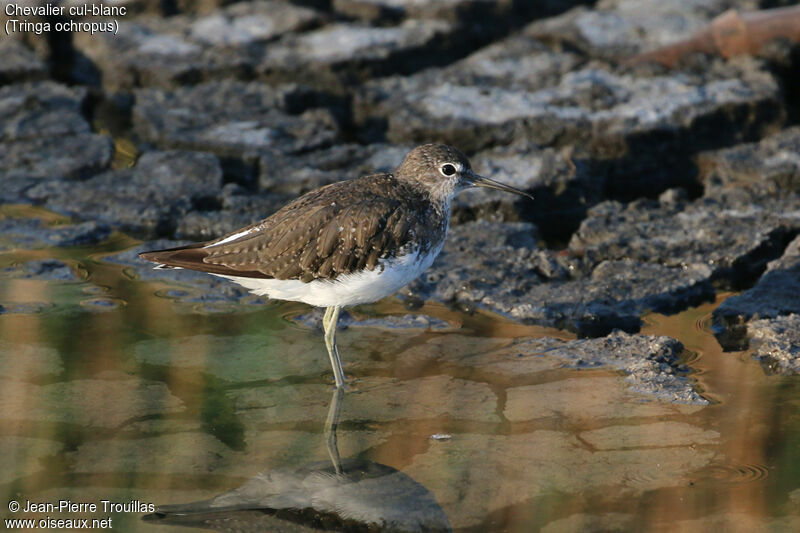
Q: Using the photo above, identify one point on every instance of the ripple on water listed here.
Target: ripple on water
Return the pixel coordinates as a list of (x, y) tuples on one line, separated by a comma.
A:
[(171, 294), (95, 289), (103, 304), (213, 308), (745, 473), (702, 323), (25, 308), (687, 358), (130, 273)]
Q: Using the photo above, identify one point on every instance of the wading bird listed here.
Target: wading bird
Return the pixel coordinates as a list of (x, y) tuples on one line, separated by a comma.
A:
[(345, 244)]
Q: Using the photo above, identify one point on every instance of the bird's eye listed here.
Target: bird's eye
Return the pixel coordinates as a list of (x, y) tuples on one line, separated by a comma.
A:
[(448, 169)]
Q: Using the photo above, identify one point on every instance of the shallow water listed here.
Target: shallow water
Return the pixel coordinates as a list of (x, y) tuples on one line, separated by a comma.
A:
[(113, 390)]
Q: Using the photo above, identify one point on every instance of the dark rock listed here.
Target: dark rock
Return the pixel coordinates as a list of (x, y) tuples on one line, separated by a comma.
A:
[(776, 343), (563, 189), (615, 29), (643, 129), (199, 6), (41, 109), (461, 11), (673, 197), (44, 136), (186, 49), (516, 63), (30, 40), (482, 19), (296, 175), (25, 233), (238, 208), (134, 7), (79, 234), (45, 270), (340, 54), (733, 240), (31, 233), (14, 190), (24, 308), (652, 363), (612, 105), (102, 305), (474, 23), (770, 166), (497, 266), (237, 199), (403, 322), (207, 225), (145, 200), (313, 320), (775, 294), (64, 157), (18, 63), (247, 24), (233, 119)]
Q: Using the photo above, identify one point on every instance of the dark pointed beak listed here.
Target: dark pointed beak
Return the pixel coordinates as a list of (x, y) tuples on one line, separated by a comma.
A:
[(479, 181)]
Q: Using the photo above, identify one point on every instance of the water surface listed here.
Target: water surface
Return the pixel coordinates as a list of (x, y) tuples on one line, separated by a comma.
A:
[(112, 389)]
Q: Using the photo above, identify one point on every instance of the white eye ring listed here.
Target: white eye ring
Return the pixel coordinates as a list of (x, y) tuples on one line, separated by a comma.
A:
[(448, 169)]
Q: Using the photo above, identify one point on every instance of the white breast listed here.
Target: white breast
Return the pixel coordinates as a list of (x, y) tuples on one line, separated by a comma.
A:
[(350, 289)]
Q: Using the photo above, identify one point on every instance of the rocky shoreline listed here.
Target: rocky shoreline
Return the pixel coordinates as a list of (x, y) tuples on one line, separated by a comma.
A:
[(655, 188)]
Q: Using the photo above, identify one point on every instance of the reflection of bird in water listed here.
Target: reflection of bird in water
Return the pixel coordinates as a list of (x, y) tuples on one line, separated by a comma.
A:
[(338, 495)]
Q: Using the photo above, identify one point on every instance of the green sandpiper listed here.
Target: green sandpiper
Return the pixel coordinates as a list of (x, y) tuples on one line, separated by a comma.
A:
[(348, 243)]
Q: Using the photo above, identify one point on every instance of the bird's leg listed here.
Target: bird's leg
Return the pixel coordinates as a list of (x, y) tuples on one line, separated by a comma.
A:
[(330, 430), (329, 325)]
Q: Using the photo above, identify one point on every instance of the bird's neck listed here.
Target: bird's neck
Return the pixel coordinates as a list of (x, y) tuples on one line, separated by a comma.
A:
[(433, 210), (439, 197), (440, 213)]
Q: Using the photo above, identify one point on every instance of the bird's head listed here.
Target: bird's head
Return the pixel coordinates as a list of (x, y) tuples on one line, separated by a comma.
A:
[(444, 171)]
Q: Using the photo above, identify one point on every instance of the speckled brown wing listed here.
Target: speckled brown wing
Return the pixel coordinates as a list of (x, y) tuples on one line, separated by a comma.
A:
[(338, 229)]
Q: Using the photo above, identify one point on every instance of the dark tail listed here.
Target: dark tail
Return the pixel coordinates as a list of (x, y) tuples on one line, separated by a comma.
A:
[(192, 257)]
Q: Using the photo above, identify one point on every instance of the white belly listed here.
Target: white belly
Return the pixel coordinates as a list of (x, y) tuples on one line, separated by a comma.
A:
[(350, 289)]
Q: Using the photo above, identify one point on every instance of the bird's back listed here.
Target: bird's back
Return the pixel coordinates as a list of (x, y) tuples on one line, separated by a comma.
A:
[(339, 229)]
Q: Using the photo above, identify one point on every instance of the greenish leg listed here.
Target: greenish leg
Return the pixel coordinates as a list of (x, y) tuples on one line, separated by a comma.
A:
[(329, 325), (331, 425)]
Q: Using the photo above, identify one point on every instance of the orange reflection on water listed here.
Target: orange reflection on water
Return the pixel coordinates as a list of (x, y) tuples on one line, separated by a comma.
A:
[(162, 401)]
